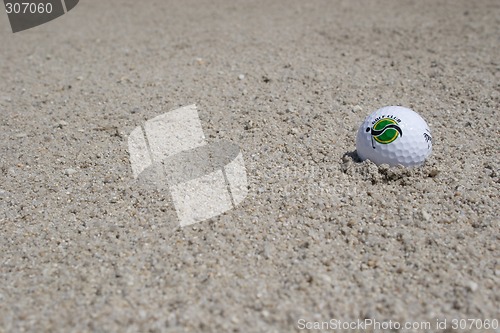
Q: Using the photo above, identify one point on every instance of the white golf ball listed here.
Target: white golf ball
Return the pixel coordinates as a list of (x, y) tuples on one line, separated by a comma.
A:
[(394, 135)]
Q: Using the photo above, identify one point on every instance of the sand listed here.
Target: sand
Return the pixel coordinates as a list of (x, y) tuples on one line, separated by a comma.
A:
[(320, 237)]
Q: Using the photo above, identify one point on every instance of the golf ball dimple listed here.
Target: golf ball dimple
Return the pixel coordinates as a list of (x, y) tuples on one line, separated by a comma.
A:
[(394, 135)]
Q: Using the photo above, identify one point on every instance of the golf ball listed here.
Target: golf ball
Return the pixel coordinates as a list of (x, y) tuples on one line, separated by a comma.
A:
[(394, 135)]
